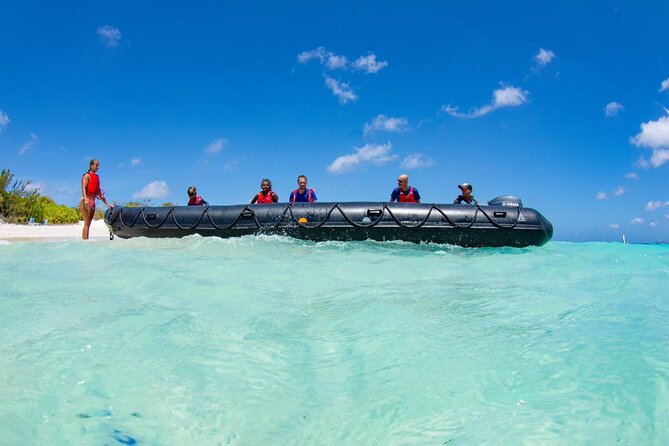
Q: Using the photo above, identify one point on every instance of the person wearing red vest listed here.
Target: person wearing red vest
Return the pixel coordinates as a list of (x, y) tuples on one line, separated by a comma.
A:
[(194, 199), (404, 193), (302, 194), (90, 190), (266, 195)]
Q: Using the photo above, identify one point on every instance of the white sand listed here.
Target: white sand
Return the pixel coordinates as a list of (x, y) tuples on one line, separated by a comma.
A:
[(17, 233)]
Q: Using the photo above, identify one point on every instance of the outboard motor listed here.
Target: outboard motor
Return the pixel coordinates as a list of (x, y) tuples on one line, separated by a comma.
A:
[(506, 200)]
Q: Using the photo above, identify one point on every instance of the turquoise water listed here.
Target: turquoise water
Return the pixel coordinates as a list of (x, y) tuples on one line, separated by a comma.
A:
[(269, 340)]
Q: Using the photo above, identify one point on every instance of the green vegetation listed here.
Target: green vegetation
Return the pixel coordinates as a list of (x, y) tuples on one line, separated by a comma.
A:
[(19, 203)]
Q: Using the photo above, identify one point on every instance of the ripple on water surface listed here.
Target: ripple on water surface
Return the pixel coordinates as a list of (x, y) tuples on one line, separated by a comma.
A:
[(269, 340)]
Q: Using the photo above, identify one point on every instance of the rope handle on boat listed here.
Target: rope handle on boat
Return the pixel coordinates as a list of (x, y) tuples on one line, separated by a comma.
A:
[(247, 211)]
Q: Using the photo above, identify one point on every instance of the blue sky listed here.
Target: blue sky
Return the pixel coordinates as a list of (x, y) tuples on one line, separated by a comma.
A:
[(563, 104)]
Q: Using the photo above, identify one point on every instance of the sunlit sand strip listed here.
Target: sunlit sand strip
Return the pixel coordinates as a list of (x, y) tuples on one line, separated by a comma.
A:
[(27, 233)]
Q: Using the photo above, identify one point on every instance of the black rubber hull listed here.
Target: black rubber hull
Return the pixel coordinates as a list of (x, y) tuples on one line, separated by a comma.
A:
[(468, 226)]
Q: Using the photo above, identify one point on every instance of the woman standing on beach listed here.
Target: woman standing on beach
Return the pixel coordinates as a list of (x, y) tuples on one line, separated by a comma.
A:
[(90, 190)]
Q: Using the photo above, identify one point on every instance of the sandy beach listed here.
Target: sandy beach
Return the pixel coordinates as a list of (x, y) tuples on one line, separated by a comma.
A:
[(22, 233)]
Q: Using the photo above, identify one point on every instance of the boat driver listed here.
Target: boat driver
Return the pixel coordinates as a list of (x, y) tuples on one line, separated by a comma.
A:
[(466, 196)]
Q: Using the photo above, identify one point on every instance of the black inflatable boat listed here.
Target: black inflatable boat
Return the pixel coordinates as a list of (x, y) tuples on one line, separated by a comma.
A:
[(504, 222)]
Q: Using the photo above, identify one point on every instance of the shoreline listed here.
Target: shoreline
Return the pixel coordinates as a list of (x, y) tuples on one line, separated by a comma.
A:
[(13, 233)]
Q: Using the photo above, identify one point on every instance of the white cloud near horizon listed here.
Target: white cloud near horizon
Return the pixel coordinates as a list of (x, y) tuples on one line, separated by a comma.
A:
[(383, 123), (25, 148), (654, 135), (632, 176), (618, 192), (612, 109), (342, 90), (216, 146), (664, 85), (637, 221), (503, 97), (614, 226), (416, 161), (543, 57), (600, 196), (110, 35), (4, 120), (376, 154), (653, 224), (230, 166), (368, 64), (155, 189), (136, 161)]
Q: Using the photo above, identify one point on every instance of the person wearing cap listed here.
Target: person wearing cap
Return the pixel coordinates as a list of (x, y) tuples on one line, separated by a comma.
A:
[(466, 197), (404, 193)]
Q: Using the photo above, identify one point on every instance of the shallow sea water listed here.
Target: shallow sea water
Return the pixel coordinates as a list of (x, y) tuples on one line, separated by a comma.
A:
[(270, 340)]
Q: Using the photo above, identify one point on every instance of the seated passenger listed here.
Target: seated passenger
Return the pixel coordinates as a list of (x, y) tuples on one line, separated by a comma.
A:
[(466, 197), (302, 194), (266, 195), (404, 193), (194, 199)]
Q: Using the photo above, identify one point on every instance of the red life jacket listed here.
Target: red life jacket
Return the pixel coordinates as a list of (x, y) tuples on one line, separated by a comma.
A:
[(265, 198), (310, 195), (195, 201), (409, 198), (93, 186)]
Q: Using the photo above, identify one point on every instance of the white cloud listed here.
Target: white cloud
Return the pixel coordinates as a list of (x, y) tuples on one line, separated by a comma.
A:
[(502, 97), (653, 224), (155, 189), (25, 148), (659, 157), (376, 154), (4, 120), (340, 89), (655, 135), (618, 192), (135, 161), (383, 123), (331, 60), (637, 221), (110, 35), (368, 64), (653, 205), (600, 195), (416, 161), (612, 109), (336, 62), (614, 226), (667, 216), (543, 57), (664, 85), (632, 176), (216, 146), (230, 166)]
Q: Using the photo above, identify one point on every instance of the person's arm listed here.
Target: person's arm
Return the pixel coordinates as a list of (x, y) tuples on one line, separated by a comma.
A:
[(313, 196), (104, 200), (204, 202), (275, 197), (456, 201), (394, 195), (474, 201), (291, 198), (254, 199), (416, 195), (84, 185)]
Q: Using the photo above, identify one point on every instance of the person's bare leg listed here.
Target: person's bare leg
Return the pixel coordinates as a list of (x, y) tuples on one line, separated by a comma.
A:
[(87, 212)]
